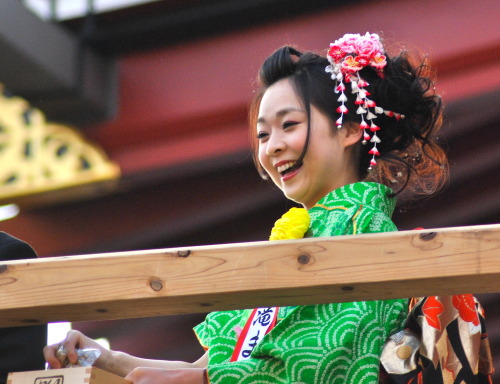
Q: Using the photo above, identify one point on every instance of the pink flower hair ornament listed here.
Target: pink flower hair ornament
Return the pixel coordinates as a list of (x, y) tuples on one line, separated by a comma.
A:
[(348, 56)]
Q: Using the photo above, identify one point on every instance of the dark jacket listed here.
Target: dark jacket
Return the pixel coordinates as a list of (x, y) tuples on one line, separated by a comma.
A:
[(20, 347)]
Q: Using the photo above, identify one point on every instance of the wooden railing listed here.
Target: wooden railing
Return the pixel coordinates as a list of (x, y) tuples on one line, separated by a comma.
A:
[(207, 278)]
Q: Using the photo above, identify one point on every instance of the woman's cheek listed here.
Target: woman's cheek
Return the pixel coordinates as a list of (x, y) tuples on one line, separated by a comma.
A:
[(263, 159)]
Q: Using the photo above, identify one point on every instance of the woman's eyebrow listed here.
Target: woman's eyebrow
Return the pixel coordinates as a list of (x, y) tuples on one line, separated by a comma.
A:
[(280, 113)]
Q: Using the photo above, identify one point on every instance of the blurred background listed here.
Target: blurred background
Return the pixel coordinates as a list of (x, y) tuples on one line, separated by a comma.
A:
[(152, 96)]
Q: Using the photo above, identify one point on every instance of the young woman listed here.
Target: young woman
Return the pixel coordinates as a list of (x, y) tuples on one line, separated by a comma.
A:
[(342, 135)]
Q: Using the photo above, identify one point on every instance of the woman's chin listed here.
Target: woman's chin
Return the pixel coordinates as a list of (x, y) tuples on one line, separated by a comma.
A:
[(293, 195)]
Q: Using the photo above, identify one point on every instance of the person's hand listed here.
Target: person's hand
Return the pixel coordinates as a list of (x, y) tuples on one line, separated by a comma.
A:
[(74, 340), (167, 376)]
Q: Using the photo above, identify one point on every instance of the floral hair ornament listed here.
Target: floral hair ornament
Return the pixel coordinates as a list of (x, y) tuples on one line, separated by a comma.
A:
[(347, 56)]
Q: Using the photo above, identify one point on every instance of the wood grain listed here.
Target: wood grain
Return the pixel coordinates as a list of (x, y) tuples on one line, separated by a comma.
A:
[(246, 275)]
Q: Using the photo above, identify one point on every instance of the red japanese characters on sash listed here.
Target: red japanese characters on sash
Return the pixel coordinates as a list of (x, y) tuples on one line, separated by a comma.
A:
[(260, 322)]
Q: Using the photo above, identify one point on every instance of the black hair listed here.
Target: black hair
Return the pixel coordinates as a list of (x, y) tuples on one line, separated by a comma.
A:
[(410, 158)]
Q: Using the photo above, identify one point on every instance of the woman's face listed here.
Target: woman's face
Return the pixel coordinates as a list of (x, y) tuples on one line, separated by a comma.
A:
[(281, 133)]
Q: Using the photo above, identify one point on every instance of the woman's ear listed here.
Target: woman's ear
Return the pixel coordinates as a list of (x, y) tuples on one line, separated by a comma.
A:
[(352, 133)]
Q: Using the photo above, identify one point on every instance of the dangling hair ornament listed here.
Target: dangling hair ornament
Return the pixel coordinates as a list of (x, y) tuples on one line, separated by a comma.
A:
[(347, 56)]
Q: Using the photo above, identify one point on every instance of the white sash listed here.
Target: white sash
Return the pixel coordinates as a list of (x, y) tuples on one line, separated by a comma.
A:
[(260, 322)]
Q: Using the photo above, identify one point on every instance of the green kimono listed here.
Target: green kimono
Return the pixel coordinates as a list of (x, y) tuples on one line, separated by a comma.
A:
[(316, 344)]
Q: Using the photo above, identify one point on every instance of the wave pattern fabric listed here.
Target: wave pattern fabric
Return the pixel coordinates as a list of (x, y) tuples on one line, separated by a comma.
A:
[(316, 344)]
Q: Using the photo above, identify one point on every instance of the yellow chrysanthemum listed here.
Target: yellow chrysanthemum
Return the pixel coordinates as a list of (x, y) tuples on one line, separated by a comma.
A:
[(292, 225)]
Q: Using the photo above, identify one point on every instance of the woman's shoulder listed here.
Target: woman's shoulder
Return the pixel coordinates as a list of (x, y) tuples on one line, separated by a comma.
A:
[(361, 193), (361, 207), (371, 220)]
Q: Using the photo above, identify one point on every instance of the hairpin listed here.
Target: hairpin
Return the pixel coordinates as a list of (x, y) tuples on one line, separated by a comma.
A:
[(347, 56)]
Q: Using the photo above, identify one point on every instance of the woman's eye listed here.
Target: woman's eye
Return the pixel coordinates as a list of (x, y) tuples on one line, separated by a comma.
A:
[(288, 124), (262, 135)]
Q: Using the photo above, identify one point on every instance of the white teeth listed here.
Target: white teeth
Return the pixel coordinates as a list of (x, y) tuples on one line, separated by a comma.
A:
[(284, 167)]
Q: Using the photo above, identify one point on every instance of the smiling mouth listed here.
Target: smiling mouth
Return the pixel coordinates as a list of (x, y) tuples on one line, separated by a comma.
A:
[(288, 167)]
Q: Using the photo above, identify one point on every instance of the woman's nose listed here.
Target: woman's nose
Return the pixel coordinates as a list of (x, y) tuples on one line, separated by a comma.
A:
[(275, 144)]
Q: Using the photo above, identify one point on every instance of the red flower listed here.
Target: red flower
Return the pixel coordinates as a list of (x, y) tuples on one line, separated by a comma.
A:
[(466, 307), (350, 64), (362, 60), (336, 53), (431, 310), (378, 62)]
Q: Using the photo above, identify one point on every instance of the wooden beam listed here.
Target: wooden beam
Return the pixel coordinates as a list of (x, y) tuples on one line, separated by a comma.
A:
[(200, 279)]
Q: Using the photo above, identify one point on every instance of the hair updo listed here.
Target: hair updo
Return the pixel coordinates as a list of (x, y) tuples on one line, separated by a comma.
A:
[(410, 159)]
